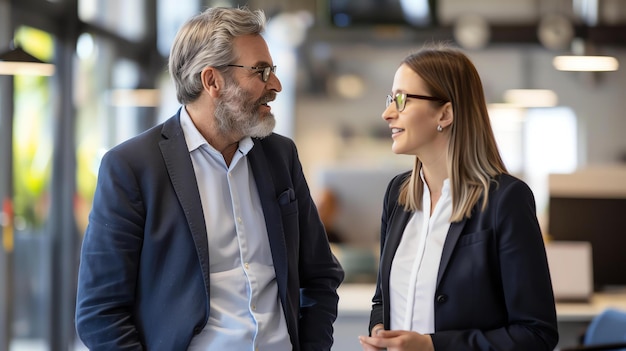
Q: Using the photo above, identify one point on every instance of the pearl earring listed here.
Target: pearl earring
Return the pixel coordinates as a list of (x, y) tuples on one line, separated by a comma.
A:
[(439, 128)]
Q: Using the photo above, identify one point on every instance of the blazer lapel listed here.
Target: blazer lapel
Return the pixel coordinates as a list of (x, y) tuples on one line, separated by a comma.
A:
[(448, 247), (271, 211), (180, 169), (398, 221)]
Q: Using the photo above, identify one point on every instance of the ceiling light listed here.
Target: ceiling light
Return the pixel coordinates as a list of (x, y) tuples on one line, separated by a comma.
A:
[(415, 12), (531, 97), (555, 31), (135, 97), (18, 62), (586, 63), (472, 32), (350, 86)]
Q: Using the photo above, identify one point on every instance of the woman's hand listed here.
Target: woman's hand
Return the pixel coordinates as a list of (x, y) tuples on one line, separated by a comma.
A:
[(375, 330), (396, 340)]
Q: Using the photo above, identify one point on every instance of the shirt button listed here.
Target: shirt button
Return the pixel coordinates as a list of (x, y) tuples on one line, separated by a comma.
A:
[(238, 219), (253, 307), (246, 265)]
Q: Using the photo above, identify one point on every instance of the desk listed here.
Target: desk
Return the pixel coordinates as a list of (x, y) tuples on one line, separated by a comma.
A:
[(585, 311), (355, 301)]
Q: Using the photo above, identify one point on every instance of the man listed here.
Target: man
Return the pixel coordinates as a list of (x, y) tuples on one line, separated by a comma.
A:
[(203, 234)]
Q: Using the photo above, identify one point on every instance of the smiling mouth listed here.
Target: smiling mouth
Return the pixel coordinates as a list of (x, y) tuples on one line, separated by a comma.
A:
[(396, 130), (264, 104)]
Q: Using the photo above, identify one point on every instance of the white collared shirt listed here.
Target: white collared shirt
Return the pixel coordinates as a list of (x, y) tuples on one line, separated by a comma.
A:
[(413, 277), (245, 310)]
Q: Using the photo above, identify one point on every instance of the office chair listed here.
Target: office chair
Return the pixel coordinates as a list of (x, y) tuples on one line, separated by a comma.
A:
[(607, 331)]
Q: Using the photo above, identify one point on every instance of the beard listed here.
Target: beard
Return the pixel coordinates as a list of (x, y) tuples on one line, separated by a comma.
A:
[(236, 114)]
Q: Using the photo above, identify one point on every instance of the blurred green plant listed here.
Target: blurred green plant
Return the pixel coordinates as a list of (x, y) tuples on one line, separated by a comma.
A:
[(32, 134)]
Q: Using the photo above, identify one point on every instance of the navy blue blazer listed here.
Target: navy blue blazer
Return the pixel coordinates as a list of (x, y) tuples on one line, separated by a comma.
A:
[(493, 284), (144, 269)]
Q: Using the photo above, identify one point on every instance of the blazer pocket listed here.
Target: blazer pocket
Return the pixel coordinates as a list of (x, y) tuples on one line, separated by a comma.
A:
[(286, 196), (473, 238), (287, 202)]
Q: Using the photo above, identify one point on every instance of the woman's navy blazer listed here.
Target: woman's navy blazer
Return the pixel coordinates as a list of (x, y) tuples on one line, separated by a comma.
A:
[(493, 287)]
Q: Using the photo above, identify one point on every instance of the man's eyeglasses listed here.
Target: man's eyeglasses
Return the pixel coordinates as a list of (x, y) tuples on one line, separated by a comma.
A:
[(264, 71), (400, 99)]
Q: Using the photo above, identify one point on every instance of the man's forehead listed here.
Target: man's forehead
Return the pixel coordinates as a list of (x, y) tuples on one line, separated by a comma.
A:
[(253, 49)]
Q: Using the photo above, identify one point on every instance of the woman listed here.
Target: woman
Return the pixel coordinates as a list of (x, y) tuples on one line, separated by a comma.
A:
[(463, 263)]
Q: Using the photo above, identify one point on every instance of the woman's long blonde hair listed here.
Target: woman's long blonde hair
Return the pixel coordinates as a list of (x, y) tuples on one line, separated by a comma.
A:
[(473, 157)]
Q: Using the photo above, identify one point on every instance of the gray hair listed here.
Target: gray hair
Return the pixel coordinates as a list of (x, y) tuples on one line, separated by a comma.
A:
[(206, 40)]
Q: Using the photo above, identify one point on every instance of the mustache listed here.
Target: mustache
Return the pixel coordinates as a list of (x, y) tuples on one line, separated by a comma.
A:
[(271, 96)]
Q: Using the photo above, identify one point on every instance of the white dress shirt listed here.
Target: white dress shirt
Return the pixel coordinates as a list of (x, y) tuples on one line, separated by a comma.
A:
[(414, 269), (245, 310)]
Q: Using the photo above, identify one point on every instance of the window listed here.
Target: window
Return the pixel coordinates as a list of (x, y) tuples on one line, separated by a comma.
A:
[(536, 142)]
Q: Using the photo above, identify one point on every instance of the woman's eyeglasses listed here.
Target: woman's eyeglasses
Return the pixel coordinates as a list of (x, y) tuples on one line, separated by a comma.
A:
[(400, 99), (264, 71)]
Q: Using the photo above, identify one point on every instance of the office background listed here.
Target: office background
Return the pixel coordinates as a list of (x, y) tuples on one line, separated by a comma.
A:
[(336, 60)]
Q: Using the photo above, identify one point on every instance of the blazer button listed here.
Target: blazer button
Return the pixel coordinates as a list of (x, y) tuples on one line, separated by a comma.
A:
[(442, 298), (197, 330)]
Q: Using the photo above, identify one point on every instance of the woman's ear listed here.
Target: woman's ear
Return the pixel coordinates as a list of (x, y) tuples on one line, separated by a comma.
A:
[(212, 81), (447, 115)]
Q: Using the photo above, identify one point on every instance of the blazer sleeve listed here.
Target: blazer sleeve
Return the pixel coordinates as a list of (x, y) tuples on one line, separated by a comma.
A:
[(109, 261)]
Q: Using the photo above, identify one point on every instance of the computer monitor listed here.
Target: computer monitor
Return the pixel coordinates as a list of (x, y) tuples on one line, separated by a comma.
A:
[(602, 222), (360, 192), (592, 208)]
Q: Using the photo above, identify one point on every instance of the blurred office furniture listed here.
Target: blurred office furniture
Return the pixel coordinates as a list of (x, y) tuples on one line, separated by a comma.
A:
[(589, 205), (359, 193), (607, 331), (360, 264), (571, 270)]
